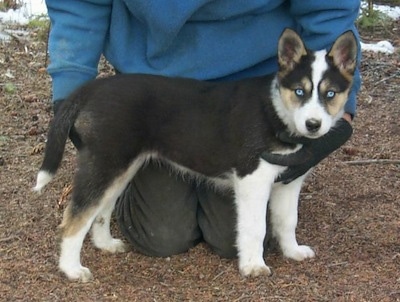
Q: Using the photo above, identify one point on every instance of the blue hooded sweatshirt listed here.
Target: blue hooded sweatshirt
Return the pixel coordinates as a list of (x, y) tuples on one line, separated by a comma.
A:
[(201, 39)]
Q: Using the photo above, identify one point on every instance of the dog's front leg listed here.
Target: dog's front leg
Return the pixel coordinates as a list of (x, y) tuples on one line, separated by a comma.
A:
[(284, 210), (251, 195)]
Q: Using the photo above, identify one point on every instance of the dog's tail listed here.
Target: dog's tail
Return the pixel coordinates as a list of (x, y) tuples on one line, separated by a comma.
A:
[(56, 141)]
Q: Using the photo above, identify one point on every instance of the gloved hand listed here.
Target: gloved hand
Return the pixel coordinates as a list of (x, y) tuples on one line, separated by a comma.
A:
[(73, 135), (312, 152)]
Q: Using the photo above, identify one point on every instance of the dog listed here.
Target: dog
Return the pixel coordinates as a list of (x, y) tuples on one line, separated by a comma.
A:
[(217, 131)]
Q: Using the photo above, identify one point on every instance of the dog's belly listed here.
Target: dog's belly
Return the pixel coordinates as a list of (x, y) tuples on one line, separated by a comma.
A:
[(223, 181)]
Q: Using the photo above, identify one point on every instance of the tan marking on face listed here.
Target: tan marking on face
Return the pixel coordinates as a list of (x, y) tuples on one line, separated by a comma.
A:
[(307, 85), (335, 105), (289, 97)]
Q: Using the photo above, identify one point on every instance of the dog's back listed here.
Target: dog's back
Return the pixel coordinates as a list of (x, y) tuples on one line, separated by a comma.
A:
[(182, 120)]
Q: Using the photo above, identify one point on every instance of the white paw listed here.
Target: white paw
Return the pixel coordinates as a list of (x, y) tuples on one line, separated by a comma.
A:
[(299, 252), (254, 270), (81, 273), (112, 246)]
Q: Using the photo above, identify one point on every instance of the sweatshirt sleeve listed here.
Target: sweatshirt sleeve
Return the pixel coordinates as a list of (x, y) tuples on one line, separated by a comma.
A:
[(76, 41), (321, 22)]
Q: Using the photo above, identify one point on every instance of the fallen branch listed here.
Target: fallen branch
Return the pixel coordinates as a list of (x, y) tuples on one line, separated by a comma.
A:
[(387, 78), (373, 161), (9, 238)]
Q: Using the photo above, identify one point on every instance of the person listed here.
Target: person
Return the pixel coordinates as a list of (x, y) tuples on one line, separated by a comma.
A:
[(159, 213)]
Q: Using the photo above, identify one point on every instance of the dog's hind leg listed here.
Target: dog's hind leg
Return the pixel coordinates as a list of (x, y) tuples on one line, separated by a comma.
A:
[(101, 235), (74, 227), (284, 210), (94, 196)]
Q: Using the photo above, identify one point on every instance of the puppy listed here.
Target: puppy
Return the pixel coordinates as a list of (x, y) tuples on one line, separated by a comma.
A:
[(212, 130)]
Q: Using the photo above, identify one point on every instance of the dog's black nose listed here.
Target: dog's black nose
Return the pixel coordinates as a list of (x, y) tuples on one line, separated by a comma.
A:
[(313, 125)]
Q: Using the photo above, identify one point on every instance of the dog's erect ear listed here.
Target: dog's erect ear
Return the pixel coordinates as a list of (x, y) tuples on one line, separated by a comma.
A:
[(344, 52), (290, 49)]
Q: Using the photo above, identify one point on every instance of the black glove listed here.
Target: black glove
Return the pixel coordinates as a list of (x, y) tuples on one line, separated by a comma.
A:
[(312, 152), (73, 135)]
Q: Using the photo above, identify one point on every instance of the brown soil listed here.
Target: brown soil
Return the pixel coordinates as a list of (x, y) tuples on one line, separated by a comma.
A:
[(350, 213)]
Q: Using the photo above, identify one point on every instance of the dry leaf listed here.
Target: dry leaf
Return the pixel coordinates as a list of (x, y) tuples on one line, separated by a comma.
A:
[(64, 196)]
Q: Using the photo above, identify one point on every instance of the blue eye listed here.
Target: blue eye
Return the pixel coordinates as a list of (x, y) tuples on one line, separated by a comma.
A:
[(330, 94), (299, 92)]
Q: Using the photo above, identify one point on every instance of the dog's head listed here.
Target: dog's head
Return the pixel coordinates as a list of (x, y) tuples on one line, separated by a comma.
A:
[(314, 86)]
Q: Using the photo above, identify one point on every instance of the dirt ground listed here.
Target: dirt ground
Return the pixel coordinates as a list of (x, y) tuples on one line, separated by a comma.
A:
[(350, 211)]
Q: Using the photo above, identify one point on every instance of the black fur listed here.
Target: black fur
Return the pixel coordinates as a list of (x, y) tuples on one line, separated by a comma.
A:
[(183, 120)]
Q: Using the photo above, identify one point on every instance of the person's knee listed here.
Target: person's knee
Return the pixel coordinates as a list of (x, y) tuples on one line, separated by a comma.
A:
[(157, 213), (153, 241), (166, 244), (217, 220), (224, 249)]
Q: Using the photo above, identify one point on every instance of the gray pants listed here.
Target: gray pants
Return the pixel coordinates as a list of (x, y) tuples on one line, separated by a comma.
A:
[(161, 214)]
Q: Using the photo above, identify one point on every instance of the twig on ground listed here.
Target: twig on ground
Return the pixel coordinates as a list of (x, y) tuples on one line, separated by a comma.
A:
[(218, 275), (387, 78), (373, 161), (6, 239)]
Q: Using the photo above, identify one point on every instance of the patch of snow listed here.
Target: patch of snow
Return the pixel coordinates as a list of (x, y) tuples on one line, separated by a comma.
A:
[(392, 12), (382, 46), (4, 37), (28, 10)]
